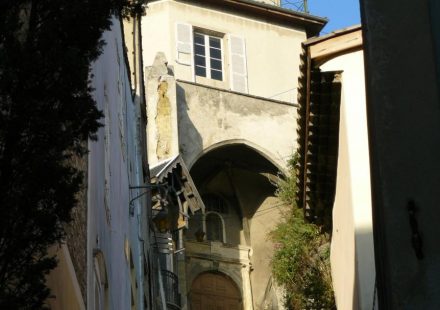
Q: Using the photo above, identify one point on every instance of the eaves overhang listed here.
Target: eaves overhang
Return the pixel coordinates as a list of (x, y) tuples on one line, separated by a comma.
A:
[(319, 99), (270, 13), (173, 173), (339, 42)]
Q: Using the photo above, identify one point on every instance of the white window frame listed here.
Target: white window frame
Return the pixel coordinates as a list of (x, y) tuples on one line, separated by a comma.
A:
[(208, 55)]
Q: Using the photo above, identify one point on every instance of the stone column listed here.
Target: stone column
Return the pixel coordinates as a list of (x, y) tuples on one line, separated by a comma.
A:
[(247, 288)]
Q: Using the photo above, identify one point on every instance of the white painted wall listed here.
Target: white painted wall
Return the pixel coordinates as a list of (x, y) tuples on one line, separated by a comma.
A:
[(352, 252), (113, 165), (272, 51)]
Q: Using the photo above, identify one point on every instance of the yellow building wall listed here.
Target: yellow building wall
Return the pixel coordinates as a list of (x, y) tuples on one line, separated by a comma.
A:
[(65, 291)]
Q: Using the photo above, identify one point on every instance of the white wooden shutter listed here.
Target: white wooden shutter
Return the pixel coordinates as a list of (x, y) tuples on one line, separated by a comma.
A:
[(184, 42), (238, 66)]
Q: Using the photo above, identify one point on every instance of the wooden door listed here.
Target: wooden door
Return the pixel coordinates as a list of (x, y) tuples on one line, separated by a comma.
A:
[(214, 291)]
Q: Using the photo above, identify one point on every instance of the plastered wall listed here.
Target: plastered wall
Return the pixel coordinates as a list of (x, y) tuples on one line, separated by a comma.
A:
[(272, 51), (113, 166), (208, 117), (352, 252)]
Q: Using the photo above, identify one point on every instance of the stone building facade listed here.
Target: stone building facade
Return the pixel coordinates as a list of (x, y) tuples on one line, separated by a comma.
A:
[(220, 82), (177, 215)]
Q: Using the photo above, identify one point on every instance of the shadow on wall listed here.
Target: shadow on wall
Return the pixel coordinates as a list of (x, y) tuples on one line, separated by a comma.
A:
[(191, 133), (357, 289), (364, 296)]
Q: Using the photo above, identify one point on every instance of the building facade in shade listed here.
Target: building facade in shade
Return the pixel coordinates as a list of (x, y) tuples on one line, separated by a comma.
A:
[(404, 128), (117, 251), (334, 183), (105, 262), (220, 82)]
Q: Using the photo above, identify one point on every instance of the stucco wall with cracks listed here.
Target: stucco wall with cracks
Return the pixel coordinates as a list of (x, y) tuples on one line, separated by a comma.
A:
[(162, 136), (210, 116)]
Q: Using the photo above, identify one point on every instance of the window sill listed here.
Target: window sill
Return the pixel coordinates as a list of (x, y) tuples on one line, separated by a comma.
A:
[(211, 82)]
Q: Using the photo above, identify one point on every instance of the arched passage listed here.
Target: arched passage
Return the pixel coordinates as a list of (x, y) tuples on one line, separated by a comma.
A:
[(266, 154), (224, 170), (245, 180), (215, 290)]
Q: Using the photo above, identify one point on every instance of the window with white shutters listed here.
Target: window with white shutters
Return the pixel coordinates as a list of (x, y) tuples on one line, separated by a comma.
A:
[(208, 56), (204, 51)]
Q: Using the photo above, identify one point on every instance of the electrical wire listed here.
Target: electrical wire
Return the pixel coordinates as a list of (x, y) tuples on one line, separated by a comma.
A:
[(286, 91)]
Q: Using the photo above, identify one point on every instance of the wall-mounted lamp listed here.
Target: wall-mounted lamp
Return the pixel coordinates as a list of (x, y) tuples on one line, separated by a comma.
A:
[(162, 221), (145, 186)]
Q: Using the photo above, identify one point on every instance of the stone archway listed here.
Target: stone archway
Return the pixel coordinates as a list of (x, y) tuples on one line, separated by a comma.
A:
[(246, 180), (214, 290)]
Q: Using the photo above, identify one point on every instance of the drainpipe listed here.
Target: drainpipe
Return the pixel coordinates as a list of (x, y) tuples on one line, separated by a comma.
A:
[(161, 290)]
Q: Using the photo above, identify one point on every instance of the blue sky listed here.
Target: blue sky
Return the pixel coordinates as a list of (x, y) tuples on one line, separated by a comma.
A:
[(341, 13)]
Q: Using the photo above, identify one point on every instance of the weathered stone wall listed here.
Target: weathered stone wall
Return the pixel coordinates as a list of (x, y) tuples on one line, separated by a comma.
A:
[(162, 137), (163, 119), (210, 117)]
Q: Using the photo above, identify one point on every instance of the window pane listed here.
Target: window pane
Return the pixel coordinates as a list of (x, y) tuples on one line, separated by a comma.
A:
[(199, 38), (215, 53), (216, 75), (199, 49), (216, 64), (200, 71), (200, 61), (214, 42), (208, 63)]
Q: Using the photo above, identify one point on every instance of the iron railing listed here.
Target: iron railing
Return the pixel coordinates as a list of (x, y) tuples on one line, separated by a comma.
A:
[(171, 289), (297, 5)]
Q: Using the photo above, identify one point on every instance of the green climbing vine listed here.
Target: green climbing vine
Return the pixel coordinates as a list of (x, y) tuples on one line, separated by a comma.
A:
[(301, 261)]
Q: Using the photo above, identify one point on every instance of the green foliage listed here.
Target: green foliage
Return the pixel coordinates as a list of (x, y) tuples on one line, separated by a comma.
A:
[(286, 187), (301, 262), (46, 116)]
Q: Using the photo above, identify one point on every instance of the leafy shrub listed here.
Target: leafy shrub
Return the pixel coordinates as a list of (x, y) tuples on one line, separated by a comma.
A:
[(301, 262)]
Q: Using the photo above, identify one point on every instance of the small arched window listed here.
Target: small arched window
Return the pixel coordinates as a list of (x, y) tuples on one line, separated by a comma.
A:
[(214, 227), (214, 224)]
